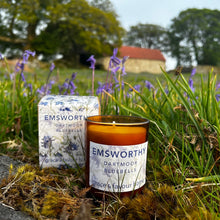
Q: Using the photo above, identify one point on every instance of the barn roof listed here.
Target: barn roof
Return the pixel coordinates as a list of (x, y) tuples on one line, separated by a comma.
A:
[(141, 53)]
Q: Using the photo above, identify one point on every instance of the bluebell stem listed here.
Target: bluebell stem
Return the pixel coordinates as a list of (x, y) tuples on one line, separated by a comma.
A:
[(92, 62)]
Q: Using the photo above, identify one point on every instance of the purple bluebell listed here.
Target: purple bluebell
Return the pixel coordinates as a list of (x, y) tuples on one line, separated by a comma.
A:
[(19, 66), (114, 61), (136, 87), (125, 58), (45, 89), (68, 86), (217, 86), (193, 72), (52, 66), (26, 55), (92, 61), (217, 96), (149, 85), (114, 70), (166, 90), (1, 57), (191, 85), (73, 76), (22, 77), (106, 86)]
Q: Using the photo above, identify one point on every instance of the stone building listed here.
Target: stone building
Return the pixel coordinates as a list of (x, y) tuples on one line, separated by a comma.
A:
[(140, 60)]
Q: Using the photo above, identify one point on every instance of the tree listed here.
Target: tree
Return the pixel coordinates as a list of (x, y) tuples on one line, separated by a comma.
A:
[(67, 27), (78, 28), (147, 36), (196, 33)]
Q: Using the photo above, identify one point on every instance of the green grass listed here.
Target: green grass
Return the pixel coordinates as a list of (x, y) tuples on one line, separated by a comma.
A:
[(183, 141)]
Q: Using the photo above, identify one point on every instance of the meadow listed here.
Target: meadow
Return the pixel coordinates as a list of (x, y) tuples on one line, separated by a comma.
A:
[(183, 180)]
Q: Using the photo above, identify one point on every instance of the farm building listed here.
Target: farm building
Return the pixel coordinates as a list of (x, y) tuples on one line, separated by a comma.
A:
[(140, 60)]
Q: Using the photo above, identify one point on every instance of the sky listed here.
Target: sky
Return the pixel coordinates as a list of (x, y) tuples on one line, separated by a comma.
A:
[(159, 12)]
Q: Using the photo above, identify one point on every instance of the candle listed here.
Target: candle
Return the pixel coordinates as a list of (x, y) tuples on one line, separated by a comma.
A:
[(116, 154)]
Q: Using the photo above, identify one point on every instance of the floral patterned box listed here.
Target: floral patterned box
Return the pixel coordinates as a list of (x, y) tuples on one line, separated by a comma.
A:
[(61, 124)]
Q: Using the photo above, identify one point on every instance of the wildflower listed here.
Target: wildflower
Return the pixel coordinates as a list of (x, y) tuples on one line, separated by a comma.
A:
[(166, 90), (123, 65), (19, 66), (68, 86), (106, 86), (217, 86), (193, 72), (136, 87), (52, 66), (114, 70), (92, 61), (1, 57), (114, 61), (191, 85), (22, 77), (149, 85), (45, 89), (26, 55), (217, 96)]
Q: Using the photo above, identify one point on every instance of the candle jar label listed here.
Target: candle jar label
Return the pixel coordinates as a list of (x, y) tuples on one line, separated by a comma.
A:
[(117, 168)]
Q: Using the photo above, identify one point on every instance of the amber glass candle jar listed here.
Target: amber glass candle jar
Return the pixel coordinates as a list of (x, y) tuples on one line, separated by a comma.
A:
[(116, 154)]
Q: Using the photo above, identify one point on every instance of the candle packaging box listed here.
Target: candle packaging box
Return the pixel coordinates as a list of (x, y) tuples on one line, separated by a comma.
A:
[(61, 125)]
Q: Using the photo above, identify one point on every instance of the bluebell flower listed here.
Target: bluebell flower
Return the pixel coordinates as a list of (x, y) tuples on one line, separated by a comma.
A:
[(22, 77), (136, 87), (114, 70), (123, 65), (193, 72), (92, 61), (149, 85), (217, 86), (1, 57), (217, 96), (68, 86), (114, 61), (106, 86), (191, 85), (19, 66), (52, 66), (26, 55)]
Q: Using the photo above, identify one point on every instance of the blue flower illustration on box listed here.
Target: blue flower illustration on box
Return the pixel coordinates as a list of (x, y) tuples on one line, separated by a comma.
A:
[(50, 98), (43, 103), (47, 143), (65, 109), (59, 103), (71, 147)]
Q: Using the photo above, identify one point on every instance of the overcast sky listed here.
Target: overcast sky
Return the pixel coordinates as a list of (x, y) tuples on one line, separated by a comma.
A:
[(160, 12)]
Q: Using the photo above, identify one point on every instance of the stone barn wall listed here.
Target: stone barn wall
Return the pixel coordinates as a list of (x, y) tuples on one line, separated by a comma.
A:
[(137, 65)]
